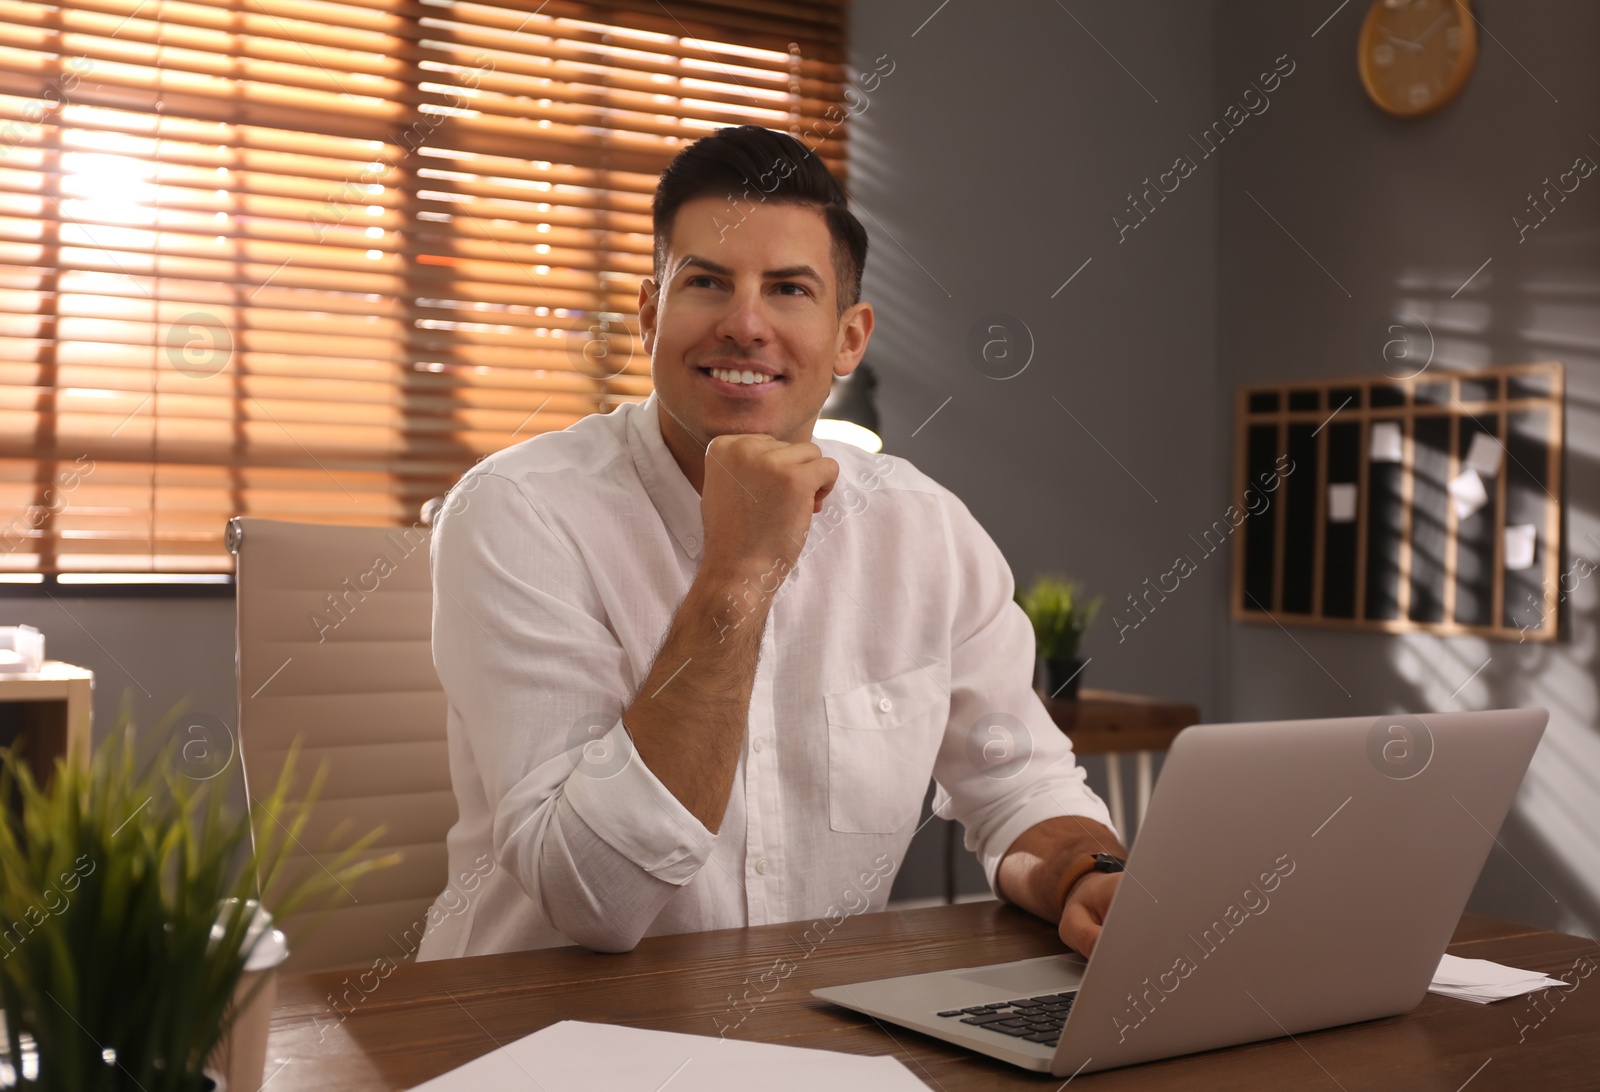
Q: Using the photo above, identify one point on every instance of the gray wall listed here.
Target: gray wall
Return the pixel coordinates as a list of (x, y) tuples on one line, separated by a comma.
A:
[(1401, 214), (987, 167)]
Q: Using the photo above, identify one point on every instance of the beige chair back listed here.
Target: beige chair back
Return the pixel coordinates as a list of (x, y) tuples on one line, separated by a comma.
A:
[(334, 645)]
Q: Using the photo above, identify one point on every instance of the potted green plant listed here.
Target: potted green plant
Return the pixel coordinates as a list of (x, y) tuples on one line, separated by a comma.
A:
[(130, 901), (1060, 615)]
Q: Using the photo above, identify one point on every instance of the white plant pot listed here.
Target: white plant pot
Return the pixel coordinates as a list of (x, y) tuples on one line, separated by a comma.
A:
[(241, 1056)]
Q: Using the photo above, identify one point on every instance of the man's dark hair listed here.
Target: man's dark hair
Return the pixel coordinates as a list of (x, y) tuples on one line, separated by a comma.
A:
[(749, 164)]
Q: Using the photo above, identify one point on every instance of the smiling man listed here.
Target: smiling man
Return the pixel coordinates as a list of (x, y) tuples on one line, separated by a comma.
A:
[(701, 668)]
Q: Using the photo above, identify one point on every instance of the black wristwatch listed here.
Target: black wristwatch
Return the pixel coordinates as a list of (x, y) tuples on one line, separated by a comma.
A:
[(1082, 866)]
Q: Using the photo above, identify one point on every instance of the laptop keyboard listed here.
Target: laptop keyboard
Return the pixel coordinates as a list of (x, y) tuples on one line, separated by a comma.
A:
[(1033, 1019)]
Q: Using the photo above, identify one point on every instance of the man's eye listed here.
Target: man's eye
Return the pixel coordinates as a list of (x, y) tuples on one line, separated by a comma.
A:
[(701, 281), (799, 289)]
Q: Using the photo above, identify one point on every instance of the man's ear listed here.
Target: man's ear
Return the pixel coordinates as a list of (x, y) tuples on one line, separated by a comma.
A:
[(855, 330), (649, 304)]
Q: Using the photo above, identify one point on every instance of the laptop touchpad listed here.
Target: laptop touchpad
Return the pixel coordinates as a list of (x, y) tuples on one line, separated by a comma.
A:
[(1050, 974)]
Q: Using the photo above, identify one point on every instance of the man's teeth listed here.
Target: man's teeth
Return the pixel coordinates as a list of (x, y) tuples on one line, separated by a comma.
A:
[(741, 377)]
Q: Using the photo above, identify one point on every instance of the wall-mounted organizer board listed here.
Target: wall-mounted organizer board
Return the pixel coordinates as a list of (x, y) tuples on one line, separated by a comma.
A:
[(1427, 504)]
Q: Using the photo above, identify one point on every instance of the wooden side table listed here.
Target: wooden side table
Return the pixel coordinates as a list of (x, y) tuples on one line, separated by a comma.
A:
[(1106, 722), (56, 708)]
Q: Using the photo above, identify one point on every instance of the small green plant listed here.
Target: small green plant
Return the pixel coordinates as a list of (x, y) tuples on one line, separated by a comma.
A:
[(128, 906), (1059, 615)]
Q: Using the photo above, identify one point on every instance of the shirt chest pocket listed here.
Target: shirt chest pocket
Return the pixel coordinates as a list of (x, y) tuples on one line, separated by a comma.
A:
[(882, 741)]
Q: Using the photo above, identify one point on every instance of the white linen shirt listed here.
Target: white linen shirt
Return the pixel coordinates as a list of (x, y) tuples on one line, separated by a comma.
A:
[(892, 652)]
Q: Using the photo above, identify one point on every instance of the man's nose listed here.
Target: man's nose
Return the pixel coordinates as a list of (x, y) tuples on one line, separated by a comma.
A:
[(746, 321)]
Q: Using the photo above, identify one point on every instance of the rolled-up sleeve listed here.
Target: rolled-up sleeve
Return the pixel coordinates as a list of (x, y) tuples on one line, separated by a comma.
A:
[(1003, 765), (537, 682)]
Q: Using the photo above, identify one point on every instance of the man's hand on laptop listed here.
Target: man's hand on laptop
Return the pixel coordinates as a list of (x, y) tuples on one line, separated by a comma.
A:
[(759, 497), (1085, 911), (1049, 871)]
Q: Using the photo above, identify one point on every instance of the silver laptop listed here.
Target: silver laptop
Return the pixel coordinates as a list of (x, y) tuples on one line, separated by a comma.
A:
[(1289, 876)]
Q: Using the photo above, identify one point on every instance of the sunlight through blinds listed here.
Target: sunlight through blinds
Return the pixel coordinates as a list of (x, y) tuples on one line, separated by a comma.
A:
[(310, 260)]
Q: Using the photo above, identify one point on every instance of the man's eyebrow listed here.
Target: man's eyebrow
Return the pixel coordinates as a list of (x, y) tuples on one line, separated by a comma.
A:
[(703, 263), (790, 272)]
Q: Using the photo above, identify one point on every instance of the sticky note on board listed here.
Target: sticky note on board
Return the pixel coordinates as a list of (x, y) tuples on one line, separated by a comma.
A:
[(1521, 542), (1341, 502), (1386, 443), (1484, 454), (1468, 493)]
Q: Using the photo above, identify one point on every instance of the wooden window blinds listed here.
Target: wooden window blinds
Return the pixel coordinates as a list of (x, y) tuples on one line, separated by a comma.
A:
[(310, 260)]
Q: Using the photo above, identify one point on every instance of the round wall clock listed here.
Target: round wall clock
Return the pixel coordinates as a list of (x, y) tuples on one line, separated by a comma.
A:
[(1416, 55)]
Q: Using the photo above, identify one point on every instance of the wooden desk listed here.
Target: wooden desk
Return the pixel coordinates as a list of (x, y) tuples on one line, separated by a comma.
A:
[(425, 1019), (55, 705), (1106, 722)]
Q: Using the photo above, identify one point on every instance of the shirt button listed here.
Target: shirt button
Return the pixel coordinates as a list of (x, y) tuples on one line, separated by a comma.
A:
[(761, 866), (691, 542), (756, 744), (884, 705)]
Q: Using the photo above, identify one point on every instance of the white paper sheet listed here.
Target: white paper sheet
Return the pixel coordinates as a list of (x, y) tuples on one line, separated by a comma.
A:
[(1522, 541), (1483, 981), (1484, 454), (1468, 492), (1341, 502), (574, 1056), (1386, 444)]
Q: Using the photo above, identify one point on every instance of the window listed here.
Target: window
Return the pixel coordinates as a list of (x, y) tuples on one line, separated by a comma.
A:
[(310, 260)]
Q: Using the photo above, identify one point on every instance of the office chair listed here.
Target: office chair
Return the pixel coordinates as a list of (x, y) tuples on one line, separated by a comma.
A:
[(334, 645)]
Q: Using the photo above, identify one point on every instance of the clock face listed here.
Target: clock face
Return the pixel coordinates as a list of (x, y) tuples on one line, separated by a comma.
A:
[(1415, 55)]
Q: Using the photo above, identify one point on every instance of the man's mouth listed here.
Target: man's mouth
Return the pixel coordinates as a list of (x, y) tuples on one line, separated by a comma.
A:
[(741, 377)]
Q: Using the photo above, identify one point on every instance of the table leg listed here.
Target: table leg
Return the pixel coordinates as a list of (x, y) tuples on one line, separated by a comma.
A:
[(951, 843), (80, 715), (1114, 794)]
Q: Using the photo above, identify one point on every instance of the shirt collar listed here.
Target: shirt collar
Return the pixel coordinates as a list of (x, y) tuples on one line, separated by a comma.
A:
[(671, 493)]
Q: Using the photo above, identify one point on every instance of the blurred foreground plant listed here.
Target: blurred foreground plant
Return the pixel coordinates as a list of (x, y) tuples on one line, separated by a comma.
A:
[(128, 907)]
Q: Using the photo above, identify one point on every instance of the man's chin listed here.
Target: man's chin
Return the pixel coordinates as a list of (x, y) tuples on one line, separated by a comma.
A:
[(719, 421)]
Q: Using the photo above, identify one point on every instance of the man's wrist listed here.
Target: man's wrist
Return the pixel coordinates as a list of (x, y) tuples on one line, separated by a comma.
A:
[(1080, 867), (738, 594), (1031, 869), (728, 575)]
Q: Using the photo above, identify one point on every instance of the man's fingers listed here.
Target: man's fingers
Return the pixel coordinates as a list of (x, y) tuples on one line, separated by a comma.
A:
[(1079, 928), (780, 451), (743, 443), (1086, 910), (792, 454), (829, 470)]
